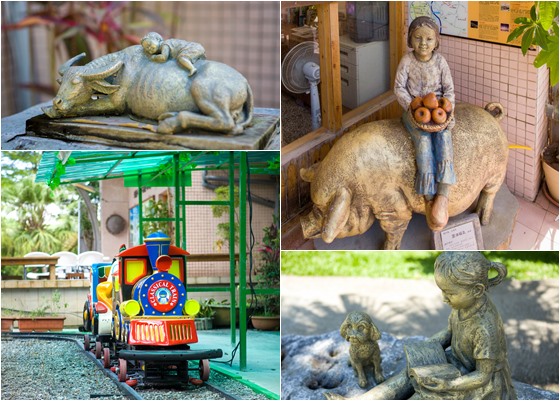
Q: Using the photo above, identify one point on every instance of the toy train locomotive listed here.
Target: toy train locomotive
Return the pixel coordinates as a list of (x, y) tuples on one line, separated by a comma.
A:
[(137, 311)]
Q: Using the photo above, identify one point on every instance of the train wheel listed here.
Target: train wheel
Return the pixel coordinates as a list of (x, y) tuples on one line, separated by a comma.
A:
[(204, 369), (87, 343), (122, 370), (87, 317), (98, 349), (106, 358)]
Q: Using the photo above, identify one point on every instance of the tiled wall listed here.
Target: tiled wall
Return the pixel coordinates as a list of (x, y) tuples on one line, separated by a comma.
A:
[(487, 72)]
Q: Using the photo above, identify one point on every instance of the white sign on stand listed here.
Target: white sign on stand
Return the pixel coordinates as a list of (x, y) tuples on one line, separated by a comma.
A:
[(460, 235)]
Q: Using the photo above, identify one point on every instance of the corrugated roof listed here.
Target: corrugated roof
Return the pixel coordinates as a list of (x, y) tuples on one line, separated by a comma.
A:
[(83, 166)]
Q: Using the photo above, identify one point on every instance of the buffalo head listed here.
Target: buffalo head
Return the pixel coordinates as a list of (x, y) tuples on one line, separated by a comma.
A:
[(78, 85)]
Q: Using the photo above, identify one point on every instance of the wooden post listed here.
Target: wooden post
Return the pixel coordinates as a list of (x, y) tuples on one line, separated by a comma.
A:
[(397, 44), (329, 51)]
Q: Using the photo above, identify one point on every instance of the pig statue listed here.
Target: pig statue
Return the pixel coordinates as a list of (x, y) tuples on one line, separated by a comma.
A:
[(369, 174)]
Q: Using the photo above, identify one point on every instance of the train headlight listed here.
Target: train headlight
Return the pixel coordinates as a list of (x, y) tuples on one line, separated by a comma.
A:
[(192, 307), (130, 308)]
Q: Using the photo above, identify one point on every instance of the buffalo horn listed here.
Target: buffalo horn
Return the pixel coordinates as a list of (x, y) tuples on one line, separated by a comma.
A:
[(64, 67)]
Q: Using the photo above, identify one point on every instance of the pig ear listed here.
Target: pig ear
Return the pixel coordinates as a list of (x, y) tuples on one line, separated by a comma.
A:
[(308, 174), (337, 215)]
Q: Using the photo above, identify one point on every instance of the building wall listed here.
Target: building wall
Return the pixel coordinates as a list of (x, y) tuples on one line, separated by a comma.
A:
[(488, 72), (114, 200)]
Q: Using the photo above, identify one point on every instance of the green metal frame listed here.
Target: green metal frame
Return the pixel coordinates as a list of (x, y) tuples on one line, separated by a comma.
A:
[(108, 165)]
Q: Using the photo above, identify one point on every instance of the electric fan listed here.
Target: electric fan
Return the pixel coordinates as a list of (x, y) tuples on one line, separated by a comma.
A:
[(300, 74)]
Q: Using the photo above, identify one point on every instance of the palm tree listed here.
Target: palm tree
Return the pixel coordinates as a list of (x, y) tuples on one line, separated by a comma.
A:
[(30, 225)]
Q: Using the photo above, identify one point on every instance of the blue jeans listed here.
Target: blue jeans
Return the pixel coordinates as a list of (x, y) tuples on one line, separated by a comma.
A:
[(434, 159)]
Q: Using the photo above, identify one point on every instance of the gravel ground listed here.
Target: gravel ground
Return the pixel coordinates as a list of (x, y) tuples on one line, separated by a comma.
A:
[(58, 370), (51, 370)]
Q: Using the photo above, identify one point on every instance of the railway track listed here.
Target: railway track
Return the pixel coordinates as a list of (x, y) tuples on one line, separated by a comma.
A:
[(214, 389)]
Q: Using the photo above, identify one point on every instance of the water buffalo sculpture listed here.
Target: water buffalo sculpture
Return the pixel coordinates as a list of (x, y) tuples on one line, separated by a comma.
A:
[(369, 174), (216, 98)]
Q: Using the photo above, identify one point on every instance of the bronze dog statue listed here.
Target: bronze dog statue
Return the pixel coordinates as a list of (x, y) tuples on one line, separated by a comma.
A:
[(359, 330)]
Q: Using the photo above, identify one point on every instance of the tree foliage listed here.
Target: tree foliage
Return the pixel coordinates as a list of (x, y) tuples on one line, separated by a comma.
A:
[(34, 217)]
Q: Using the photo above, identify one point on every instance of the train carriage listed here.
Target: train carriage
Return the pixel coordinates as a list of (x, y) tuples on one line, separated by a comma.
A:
[(151, 320)]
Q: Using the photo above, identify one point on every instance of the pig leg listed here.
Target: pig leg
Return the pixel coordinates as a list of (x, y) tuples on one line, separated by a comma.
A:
[(485, 203), (337, 215), (394, 222)]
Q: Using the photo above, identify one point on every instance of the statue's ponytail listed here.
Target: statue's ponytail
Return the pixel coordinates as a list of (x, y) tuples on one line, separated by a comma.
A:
[(502, 273)]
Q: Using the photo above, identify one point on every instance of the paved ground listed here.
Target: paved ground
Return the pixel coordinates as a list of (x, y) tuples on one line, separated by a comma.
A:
[(529, 309), (263, 358)]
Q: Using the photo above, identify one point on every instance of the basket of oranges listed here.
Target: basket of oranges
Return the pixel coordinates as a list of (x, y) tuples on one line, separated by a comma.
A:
[(429, 113)]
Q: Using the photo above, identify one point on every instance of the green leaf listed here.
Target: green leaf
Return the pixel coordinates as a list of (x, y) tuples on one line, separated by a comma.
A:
[(547, 11), (541, 37), (527, 40), (523, 20), (533, 13), (516, 33)]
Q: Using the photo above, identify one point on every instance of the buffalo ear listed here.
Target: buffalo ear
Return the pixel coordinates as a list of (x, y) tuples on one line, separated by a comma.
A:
[(104, 87), (337, 215)]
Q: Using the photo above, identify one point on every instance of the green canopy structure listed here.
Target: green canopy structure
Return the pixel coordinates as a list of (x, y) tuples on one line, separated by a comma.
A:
[(173, 169)]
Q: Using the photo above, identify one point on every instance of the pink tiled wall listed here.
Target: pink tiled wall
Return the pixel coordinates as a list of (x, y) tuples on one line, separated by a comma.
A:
[(487, 72)]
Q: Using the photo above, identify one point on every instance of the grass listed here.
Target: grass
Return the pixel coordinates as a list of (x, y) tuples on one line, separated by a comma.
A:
[(526, 265)]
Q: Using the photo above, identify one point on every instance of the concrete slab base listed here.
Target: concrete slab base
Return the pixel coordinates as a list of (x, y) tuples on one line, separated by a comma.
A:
[(114, 130), (496, 235)]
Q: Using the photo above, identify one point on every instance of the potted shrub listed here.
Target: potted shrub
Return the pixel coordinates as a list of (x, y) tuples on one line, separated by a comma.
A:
[(267, 313), (222, 313), (205, 317), (40, 320)]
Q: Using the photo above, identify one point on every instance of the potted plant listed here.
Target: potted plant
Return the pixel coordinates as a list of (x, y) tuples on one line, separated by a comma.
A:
[(40, 320), (205, 317), (267, 314), (222, 313), (7, 322), (541, 29)]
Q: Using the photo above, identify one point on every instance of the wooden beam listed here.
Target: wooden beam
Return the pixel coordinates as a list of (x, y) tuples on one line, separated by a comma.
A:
[(329, 52), (397, 32)]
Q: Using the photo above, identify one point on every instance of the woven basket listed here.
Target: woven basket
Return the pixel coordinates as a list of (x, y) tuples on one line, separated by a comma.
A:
[(430, 127)]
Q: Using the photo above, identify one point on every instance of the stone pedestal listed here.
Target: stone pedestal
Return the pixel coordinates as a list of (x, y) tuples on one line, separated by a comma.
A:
[(108, 133), (496, 235), (313, 365)]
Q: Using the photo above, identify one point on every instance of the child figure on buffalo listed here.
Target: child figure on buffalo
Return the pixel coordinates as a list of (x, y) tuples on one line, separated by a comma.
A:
[(419, 73), (186, 53)]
